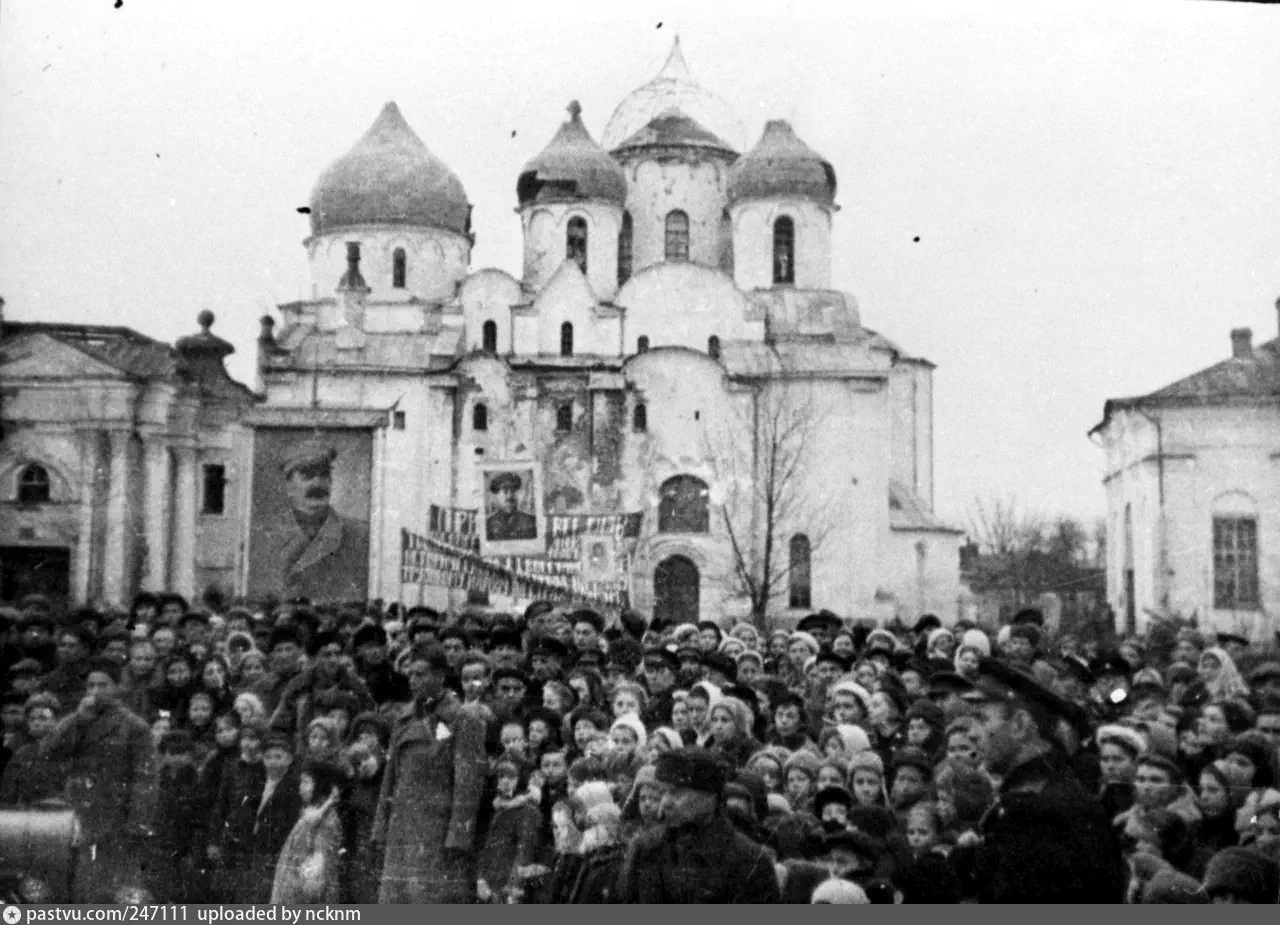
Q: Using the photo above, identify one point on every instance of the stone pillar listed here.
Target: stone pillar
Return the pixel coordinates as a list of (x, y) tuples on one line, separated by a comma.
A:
[(87, 443), (115, 554), (157, 522), (182, 568)]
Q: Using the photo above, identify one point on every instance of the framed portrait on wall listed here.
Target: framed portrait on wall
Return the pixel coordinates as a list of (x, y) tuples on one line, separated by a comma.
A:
[(512, 522), (309, 524)]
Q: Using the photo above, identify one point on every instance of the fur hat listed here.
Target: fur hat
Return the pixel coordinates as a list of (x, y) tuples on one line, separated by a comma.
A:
[(853, 738), (670, 736), (739, 712), (807, 638), (1169, 886), (1243, 873), (695, 768), (1131, 740), (908, 756), (850, 686)]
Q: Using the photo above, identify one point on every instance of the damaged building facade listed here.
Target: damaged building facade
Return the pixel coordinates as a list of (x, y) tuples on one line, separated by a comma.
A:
[(671, 358), (668, 406)]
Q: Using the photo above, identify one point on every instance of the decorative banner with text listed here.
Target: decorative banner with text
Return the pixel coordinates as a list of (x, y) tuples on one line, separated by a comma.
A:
[(588, 558)]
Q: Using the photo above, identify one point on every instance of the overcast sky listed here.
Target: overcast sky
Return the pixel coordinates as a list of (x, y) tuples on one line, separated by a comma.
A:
[(1055, 205)]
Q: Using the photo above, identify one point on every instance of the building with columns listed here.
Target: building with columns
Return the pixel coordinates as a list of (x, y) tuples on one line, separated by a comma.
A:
[(667, 406), (116, 462), (1193, 496)]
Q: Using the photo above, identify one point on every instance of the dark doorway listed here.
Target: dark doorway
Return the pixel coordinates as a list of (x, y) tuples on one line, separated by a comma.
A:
[(675, 591), (34, 570)]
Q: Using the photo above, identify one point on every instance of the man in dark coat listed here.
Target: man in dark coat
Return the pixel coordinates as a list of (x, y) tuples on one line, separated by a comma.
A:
[(111, 782), (431, 789), (696, 855), (1044, 840), (278, 804), (508, 522)]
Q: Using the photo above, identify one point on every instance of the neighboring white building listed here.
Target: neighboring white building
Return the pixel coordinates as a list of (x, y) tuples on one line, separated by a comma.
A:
[(1193, 496), (119, 462)]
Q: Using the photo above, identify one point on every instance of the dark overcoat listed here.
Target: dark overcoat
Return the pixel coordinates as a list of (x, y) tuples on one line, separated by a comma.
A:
[(1046, 841), (708, 863), (429, 804)]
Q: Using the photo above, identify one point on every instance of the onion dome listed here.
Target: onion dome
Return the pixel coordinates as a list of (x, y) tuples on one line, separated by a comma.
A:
[(781, 165), (389, 178), (572, 168), (673, 88), (673, 129)]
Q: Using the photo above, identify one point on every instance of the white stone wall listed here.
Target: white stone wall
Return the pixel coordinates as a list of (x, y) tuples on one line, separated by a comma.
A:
[(546, 229), (684, 305), (753, 242), (1224, 460), (435, 261), (655, 187)]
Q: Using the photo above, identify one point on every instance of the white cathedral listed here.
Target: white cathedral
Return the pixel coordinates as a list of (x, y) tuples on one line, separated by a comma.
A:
[(696, 421)]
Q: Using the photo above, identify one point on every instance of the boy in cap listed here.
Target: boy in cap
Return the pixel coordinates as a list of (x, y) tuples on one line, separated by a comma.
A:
[(697, 855)]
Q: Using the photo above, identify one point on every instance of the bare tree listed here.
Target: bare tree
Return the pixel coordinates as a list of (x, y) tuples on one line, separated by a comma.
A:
[(763, 466), (1023, 554)]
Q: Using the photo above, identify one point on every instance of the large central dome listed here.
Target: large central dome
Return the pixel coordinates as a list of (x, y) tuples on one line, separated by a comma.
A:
[(389, 178), (673, 89)]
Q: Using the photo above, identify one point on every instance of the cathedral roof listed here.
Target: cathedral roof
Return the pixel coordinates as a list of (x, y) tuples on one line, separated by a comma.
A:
[(782, 165), (572, 167), (389, 178), (673, 88), (673, 129)]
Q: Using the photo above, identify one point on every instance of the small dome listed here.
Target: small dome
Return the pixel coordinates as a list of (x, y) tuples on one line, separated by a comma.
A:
[(673, 88), (389, 178), (572, 167), (782, 165), (674, 129)]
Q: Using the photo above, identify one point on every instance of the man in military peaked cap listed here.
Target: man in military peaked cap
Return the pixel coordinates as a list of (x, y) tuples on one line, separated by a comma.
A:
[(508, 522), (311, 551), (1045, 840)]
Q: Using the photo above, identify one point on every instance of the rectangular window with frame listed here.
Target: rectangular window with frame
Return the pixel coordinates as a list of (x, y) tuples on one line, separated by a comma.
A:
[(1235, 563), (215, 489)]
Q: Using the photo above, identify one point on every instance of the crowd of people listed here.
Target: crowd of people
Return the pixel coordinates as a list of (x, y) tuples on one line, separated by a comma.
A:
[(304, 754)]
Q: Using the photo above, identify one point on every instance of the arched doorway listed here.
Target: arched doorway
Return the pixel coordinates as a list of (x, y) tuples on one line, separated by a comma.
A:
[(675, 591)]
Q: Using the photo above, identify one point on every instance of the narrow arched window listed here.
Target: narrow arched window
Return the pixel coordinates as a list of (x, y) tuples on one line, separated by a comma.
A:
[(566, 339), (713, 347), (489, 337), (640, 418), (784, 250), (642, 343), (33, 485), (684, 506), (564, 418), (624, 249), (677, 240), (799, 572), (575, 247), (399, 268), (480, 416)]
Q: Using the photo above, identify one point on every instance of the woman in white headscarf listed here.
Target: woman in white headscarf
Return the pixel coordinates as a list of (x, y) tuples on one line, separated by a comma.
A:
[(1220, 676)]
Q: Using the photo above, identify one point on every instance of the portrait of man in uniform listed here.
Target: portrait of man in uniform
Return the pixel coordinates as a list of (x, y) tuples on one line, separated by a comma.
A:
[(303, 543), (511, 511)]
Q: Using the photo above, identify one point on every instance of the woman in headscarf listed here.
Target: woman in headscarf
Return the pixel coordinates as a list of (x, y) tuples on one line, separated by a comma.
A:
[(729, 726), (309, 867), (1220, 676)]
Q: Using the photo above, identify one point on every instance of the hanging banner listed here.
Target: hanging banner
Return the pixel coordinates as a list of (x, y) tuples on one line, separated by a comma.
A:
[(588, 559)]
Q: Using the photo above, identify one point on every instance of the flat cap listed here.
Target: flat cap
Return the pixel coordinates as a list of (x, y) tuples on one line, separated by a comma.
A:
[(822, 620), (661, 654)]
